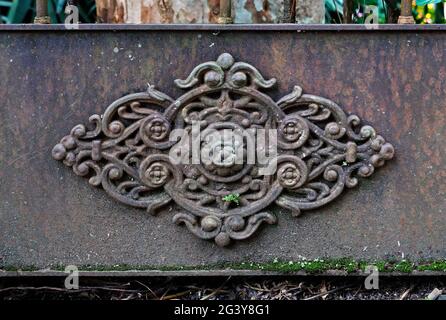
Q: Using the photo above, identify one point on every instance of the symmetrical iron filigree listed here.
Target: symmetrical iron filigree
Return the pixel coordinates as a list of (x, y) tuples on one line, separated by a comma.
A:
[(128, 151)]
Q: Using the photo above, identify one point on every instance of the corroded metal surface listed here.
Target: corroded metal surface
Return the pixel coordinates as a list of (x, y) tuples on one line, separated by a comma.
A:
[(51, 80), (318, 150)]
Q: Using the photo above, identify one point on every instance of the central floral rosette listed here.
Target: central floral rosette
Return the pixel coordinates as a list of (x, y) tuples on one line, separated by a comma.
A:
[(223, 151)]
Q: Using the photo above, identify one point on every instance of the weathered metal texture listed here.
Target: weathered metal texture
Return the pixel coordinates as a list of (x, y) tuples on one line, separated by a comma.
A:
[(51, 80), (214, 168)]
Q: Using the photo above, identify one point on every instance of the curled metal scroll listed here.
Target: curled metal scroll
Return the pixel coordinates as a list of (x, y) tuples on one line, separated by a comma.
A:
[(128, 151)]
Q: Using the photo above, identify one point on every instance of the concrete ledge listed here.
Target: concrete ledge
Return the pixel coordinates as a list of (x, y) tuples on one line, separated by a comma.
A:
[(212, 273)]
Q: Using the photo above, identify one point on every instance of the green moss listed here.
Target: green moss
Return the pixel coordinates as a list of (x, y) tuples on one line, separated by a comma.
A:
[(233, 197), (404, 266), (381, 265), (309, 266), (24, 268), (439, 265)]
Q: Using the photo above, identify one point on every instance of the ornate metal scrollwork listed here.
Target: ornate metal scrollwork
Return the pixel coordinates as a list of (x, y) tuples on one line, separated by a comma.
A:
[(129, 151)]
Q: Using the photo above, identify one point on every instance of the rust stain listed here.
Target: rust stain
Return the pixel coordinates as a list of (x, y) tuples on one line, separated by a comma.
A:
[(146, 13), (101, 13), (418, 70), (214, 10), (407, 88), (166, 11), (437, 52), (261, 16), (119, 12)]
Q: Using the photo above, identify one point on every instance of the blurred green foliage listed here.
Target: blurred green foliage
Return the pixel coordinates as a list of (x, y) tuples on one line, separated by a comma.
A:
[(424, 11), (23, 11), (333, 11), (424, 2), (433, 12)]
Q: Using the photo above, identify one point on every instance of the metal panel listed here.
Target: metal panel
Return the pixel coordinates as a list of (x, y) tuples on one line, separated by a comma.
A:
[(53, 79)]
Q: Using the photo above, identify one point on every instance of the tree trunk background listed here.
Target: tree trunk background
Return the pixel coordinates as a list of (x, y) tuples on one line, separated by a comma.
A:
[(310, 11), (348, 11), (393, 12), (207, 11)]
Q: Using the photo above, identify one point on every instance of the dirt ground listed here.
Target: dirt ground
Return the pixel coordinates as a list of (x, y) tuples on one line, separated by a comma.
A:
[(234, 288)]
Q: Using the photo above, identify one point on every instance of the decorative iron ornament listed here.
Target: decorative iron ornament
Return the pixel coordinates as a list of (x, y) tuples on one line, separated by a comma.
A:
[(127, 151)]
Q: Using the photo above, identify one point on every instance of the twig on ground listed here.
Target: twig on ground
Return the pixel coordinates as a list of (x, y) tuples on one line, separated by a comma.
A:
[(216, 291), (326, 293), (174, 296), (406, 293), (151, 291)]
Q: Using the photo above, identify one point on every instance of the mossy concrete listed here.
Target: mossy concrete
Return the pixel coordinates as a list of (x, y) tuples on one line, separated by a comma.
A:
[(337, 267)]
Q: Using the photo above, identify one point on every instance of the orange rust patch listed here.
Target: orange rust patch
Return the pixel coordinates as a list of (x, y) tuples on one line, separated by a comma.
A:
[(166, 11), (214, 10), (261, 16), (119, 13)]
